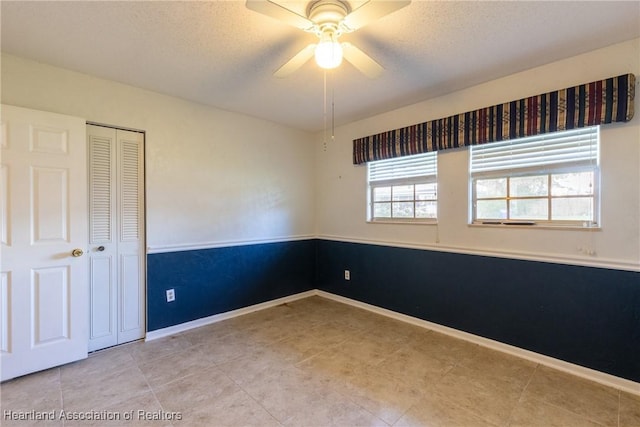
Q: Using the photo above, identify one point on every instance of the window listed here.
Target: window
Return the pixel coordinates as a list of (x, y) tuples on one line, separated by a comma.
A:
[(403, 189), (549, 179)]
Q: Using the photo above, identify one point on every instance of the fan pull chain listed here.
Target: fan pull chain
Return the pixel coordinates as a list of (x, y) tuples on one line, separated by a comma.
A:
[(324, 106), (333, 114)]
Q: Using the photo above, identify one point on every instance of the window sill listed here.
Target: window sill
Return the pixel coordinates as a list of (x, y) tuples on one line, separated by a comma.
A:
[(403, 222), (529, 225)]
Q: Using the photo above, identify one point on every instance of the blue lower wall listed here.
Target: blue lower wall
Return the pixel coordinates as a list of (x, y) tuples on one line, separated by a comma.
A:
[(583, 315), (213, 281)]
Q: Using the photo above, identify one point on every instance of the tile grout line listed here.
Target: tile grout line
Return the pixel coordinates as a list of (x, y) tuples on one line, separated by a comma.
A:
[(446, 396), (153, 392), (247, 393), (619, 406), (334, 390), (137, 364), (61, 394), (561, 408), (331, 388), (524, 389)]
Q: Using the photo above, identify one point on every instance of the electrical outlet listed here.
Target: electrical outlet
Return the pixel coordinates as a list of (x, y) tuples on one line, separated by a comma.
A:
[(171, 295), (347, 275)]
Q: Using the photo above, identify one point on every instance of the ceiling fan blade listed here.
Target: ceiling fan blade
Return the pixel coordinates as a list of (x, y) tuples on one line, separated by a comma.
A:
[(296, 62), (371, 11), (361, 61), (281, 13)]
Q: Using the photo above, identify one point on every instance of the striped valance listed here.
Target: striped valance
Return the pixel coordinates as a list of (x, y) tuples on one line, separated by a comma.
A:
[(595, 103)]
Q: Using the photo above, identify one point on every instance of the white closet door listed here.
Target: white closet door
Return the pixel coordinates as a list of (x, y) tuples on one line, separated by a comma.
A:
[(117, 236), (131, 262), (103, 252), (43, 292)]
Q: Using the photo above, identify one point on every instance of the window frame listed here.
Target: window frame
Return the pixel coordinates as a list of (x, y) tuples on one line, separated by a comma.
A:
[(538, 170), (428, 178)]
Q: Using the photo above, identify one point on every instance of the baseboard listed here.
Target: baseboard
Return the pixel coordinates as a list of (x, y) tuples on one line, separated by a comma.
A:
[(577, 370), (182, 327)]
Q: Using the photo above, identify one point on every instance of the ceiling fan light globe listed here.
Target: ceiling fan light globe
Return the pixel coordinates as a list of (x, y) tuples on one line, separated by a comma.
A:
[(328, 54)]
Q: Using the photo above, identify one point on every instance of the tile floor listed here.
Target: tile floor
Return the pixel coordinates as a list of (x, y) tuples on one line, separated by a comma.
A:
[(313, 362)]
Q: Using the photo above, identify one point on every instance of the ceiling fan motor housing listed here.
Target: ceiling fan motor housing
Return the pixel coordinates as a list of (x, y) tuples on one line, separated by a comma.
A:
[(327, 16)]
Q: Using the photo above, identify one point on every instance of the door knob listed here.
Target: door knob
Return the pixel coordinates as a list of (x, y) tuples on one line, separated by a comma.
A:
[(77, 252), (100, 248)]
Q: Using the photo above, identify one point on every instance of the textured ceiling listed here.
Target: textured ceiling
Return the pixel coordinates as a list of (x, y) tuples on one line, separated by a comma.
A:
[(222, 54)]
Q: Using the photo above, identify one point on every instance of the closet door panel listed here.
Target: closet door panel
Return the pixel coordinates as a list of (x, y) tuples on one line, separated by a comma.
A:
[(131, 235), (103, 246)]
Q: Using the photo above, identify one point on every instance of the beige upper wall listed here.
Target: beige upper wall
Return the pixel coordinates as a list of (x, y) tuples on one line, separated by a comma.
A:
[(341, 186), (212, 177)]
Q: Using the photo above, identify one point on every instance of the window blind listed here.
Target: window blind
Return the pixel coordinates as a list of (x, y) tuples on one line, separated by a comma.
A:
[(404, 168), (577, 147)]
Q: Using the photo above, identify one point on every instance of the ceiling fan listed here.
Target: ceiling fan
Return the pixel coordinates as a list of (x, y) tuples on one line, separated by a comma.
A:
[(328, 19)]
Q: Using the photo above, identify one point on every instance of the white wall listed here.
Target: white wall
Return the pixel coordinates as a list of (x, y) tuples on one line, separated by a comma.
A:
[(341, 186), (212, 177)]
